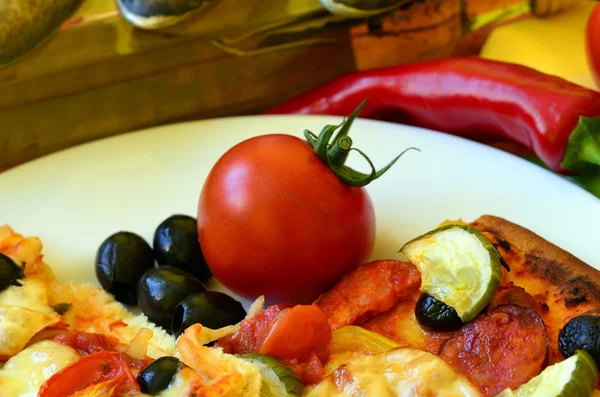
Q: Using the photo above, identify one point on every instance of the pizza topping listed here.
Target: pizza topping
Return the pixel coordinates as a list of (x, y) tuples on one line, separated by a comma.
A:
[(501, 349), (278, 380), (158, 375), (351, 341), (104, 372), (436, 315), (298, 335), (210, 308), (400, 325), (573, 377), (120, 262), (582, 332), (397, 372), (25, 372), (61, 308), (138, 348), (10, 272), (86, 343), (24, 311), (281, 331), (368, 290), (513, 295), (459, 266)]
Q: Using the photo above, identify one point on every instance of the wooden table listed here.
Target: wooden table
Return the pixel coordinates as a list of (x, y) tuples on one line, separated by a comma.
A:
[(100, 76)]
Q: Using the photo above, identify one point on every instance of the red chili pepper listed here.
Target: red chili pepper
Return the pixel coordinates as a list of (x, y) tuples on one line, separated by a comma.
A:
[(474, 98)]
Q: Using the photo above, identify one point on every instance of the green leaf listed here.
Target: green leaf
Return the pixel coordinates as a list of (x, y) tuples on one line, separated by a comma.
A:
[(25, 24), (583, 151)]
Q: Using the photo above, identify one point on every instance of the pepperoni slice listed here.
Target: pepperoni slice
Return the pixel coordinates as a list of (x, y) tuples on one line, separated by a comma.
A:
[(513, 296), (368, 290), (501, 349)]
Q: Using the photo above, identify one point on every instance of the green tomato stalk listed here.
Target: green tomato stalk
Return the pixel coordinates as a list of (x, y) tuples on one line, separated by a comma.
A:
[(334, 152)]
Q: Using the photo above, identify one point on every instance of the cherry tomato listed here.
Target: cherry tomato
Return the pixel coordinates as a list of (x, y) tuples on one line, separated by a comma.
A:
[(297, 332), (274, 220), (593, 42), (92, 371)]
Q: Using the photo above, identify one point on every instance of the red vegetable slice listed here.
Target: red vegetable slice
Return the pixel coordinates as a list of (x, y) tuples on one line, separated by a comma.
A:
[(502, 349), (369, 290), (297, 332), (92, 370)]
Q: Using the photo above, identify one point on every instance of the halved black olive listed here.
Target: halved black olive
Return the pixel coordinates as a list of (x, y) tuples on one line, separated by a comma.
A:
[(157, 376), (210, 308), (120, 262), (581, 332), (176, 244), (10, 273), (160, 289), (436, 315)]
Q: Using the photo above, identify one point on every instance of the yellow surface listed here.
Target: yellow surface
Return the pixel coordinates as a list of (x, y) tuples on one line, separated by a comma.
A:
[(553, 45)]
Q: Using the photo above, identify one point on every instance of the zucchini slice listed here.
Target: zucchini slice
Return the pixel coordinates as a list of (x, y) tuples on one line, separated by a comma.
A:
[(459, 266)]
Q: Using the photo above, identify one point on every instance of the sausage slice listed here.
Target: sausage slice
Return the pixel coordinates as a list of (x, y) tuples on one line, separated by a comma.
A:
[(501, 349)]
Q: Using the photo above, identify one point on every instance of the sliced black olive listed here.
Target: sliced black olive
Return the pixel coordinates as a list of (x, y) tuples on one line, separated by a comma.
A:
[(120, 262), (210, 308), (176, 244), (10, 273), (157, 376), (582, 332), (160, 289), (436, 315)]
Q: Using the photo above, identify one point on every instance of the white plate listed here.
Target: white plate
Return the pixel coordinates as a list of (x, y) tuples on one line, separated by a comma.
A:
[(76, 198)]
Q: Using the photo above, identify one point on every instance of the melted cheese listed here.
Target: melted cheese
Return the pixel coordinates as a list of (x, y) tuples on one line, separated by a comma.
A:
[(24, 311), (224, 374), (181, 384), (401, 372), (24, 373)]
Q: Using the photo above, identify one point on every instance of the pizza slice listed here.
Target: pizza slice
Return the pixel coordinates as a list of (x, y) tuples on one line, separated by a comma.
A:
[(64, 339), (516, 335)]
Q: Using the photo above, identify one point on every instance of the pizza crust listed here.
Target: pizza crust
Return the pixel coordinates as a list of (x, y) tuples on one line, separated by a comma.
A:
[(563, 286), (578, 281)]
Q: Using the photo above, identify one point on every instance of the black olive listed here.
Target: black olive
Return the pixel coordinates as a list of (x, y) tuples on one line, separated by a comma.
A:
[(582, 332), (160, 289), (176, 244), (10, 272), (157, 376), (436, 315), (210, 308), (120, 262)]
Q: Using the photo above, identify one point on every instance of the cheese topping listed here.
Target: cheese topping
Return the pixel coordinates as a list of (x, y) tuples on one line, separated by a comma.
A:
[(401, 372), (24, 374), (24, 311)]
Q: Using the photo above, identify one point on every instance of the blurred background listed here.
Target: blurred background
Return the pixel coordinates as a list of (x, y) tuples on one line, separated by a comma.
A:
[(73, 71)]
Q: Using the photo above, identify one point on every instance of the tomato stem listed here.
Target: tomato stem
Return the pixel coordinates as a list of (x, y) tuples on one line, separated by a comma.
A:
[(340, 151), (335, 152)]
